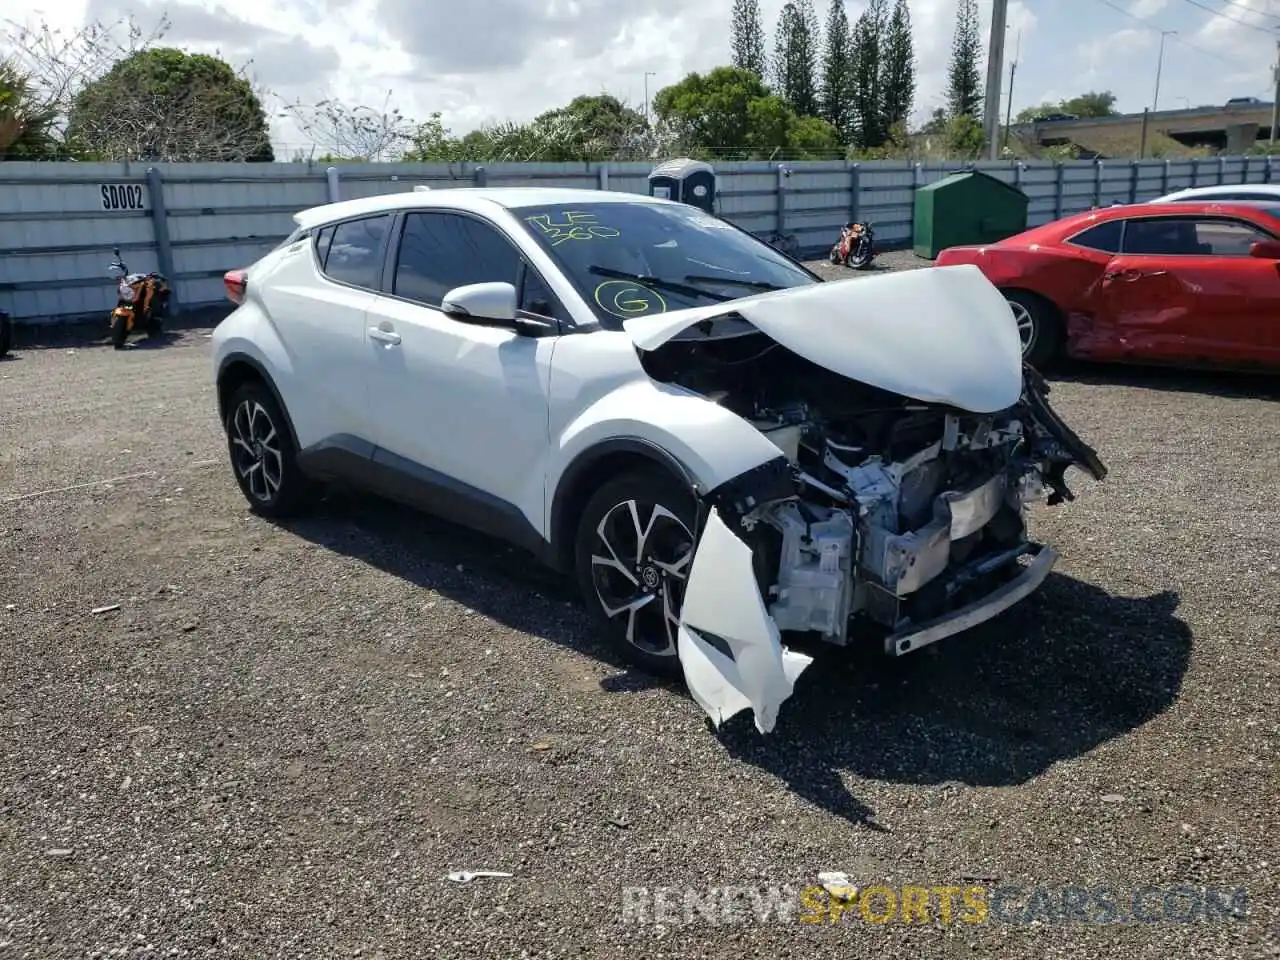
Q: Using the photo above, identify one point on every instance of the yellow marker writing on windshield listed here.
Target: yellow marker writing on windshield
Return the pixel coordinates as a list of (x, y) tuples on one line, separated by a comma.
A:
[(573, 225), (623, 299)]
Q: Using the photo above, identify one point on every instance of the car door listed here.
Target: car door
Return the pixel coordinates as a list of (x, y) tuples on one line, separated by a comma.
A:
[(1184, 288), (461, 406), (317, 298)]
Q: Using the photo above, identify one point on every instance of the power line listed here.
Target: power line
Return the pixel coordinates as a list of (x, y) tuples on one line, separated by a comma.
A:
[(1218, 13), (1151, 26), (1245, 4)]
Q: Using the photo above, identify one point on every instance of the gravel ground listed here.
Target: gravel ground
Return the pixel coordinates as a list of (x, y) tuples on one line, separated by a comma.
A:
[(274, 741)]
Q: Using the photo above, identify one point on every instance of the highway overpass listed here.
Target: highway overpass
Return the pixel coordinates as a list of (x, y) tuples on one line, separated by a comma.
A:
[(1199, 126)]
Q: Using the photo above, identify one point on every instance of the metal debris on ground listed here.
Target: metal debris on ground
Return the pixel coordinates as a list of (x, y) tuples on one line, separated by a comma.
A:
[(838, 884), (466, 876)]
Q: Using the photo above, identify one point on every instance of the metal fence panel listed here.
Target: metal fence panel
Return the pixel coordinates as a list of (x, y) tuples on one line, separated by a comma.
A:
[(59, 221)]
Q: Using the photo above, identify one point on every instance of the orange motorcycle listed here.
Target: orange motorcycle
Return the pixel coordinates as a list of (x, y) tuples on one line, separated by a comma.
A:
[(142, 300), (856, 247)]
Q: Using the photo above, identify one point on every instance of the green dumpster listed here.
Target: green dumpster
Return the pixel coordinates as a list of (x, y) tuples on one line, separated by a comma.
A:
[(968, 207)]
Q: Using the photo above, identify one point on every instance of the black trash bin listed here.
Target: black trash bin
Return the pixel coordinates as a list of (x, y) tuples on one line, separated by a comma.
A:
[(685, 181)]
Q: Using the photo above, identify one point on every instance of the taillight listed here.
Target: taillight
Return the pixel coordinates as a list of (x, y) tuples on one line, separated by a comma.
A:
[(236, 282)]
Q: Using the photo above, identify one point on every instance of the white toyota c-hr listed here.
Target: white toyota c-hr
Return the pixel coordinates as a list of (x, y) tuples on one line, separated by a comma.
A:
[(717, 445)]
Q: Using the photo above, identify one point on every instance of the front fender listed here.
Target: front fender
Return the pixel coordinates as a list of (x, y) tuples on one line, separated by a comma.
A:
[(711, 443)]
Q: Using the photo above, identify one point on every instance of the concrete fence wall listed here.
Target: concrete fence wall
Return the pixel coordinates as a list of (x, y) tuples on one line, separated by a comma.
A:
[(59, 221)]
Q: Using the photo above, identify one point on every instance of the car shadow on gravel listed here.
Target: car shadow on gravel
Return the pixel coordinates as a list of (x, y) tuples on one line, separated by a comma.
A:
[(1065, 671), (1069, 669), (1262, 385)]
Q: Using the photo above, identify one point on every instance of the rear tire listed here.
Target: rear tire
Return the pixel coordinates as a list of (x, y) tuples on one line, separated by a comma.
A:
[(1039, 326), (632, 556), (264, 458), (6, 334)]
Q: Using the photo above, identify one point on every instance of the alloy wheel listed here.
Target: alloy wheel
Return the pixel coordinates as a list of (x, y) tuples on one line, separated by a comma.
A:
[(256, 451), (1026, 325), (639, 566)]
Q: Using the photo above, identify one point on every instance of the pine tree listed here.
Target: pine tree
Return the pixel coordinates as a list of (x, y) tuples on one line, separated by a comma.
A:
[(964, 78), (794, 58), (898, 68), (837, 73), (868, 96), (748, 37)]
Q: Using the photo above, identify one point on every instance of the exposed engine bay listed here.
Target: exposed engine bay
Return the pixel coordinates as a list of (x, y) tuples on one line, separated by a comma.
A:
[(887, 512)]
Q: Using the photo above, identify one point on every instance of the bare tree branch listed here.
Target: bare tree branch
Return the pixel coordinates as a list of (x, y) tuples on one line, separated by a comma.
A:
[(355, 133), (60, 63)]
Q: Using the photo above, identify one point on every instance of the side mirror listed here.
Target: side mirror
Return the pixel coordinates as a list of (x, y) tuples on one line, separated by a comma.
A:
[(481, 301), (1265, 250)]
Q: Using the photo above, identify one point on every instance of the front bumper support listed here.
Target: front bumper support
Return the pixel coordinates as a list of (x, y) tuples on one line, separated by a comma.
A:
[(980, 611)]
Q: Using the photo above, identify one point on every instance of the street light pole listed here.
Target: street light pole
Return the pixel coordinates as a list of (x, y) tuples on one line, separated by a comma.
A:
[(1155, 101), (1275, 97), (647, 75), (1013, 72)]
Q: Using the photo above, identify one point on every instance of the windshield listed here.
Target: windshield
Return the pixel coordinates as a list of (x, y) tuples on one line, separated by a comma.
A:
[(633, 259)]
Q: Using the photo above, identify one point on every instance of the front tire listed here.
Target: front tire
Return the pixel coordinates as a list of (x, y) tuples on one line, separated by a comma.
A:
[(1039, 327), (632, 556), (264, 457), (119, 331)]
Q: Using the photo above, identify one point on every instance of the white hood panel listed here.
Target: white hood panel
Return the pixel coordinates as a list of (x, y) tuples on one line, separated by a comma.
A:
[(940, 334)]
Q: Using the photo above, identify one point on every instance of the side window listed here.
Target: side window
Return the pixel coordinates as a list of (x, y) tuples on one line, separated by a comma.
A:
[(1191, 236), (537, 298), (1102, 236), (440, 251), (1228, 238), (355, 251), (323, 239)]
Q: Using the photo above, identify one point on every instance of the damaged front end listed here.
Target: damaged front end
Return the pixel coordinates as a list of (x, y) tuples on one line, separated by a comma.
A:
[(883, 517)]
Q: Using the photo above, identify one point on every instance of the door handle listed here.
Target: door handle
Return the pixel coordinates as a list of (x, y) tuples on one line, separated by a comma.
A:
[(389, 337)]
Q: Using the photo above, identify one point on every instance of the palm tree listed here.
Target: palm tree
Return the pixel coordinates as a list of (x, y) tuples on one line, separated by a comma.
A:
[(25, 129)]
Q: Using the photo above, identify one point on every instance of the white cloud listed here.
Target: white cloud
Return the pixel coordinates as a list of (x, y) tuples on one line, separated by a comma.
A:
[(1145, 9), (477, 61)]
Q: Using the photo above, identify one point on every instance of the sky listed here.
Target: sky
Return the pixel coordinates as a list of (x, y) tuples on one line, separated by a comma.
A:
[(481, 61)]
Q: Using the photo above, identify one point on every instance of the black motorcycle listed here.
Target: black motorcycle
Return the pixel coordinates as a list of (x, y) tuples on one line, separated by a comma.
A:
[(856, 247)]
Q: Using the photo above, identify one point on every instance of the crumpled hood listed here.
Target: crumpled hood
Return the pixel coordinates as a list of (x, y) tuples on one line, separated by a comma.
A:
[(940, 334)]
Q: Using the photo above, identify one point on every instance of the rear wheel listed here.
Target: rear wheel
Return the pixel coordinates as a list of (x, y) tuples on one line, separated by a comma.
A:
[(263, 455), (633, 552), (1039, 326), (6, 334)]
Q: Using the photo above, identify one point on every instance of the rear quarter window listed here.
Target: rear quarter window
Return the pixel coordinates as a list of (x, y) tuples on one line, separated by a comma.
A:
[(1101, 236)]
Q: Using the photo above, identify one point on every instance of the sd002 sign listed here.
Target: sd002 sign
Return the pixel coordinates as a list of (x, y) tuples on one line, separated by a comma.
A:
[(123, 196)]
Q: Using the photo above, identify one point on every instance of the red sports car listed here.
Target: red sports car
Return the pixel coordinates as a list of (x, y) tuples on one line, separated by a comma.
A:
[(1189, 283)]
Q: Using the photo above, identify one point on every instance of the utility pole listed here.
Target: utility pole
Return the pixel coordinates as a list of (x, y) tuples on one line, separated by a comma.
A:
[(647, 75), (995, 73), (1155, 101), (1275, 96), (1013, 72)]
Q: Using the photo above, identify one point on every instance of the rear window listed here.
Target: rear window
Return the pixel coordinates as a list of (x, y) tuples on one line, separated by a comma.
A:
[(354, 253)]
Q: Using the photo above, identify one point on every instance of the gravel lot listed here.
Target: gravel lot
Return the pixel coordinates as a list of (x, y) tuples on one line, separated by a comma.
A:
[(278, 740)]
